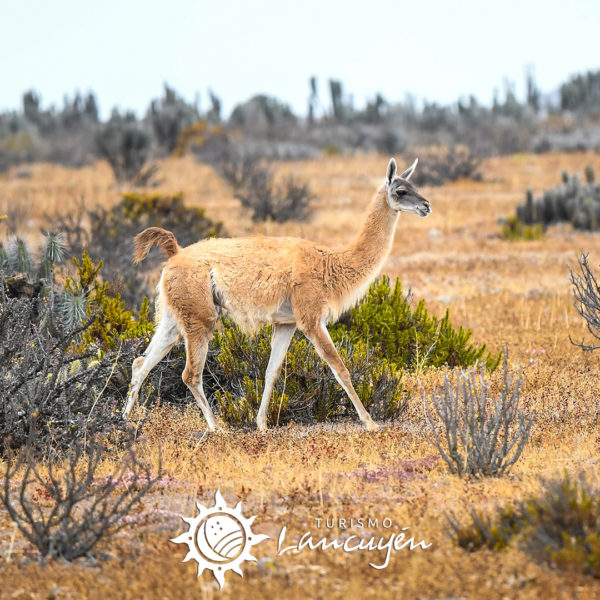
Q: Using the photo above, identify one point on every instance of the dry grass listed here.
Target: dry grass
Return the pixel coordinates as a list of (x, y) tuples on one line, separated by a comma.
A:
[(513, 292)]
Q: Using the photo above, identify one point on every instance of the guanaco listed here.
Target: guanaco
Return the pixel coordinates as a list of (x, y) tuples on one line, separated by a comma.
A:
[(291, 283)]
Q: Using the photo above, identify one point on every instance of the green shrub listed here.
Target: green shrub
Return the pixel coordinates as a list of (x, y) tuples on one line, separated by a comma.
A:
[(113, 323), (561, 526), (494, 532), (378, 341), (306, 389), (410, 338), (513, 229)]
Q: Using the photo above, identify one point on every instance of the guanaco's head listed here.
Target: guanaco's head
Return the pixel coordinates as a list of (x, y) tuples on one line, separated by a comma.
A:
[(402, 195)]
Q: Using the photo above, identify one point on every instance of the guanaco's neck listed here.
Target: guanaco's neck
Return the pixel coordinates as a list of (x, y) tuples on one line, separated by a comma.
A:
[(362, 258)]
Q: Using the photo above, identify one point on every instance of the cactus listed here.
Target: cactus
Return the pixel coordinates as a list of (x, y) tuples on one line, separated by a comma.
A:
[(335, 88), (213, 115), (571, 202), (20, 278), (589, 174), (313, 100), (21, 257)]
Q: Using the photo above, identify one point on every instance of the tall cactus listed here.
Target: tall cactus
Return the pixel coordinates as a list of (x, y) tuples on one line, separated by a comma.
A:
[(335, 88)]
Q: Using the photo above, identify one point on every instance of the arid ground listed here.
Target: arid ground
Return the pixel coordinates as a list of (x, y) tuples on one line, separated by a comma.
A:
[(513, 293)]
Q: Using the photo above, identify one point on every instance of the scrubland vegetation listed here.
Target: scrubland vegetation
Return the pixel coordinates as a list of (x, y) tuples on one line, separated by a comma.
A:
[(467, 352)]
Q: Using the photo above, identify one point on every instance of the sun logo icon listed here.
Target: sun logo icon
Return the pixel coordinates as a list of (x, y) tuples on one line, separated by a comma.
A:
[(219, 538)]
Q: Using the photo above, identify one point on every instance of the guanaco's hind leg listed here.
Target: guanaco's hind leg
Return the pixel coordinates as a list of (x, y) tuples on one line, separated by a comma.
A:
[(196, 351), (319, 336), (190, 298), (282, 336), (165, 337)]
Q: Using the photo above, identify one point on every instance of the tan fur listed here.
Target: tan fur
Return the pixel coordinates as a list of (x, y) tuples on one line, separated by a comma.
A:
[(289, 282), (256, 275), (143, 241)]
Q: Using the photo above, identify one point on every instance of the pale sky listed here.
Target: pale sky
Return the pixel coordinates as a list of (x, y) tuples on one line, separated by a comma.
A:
[(439, 50)]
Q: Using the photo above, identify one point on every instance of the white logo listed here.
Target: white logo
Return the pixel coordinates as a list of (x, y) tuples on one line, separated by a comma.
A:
[(219, 538)]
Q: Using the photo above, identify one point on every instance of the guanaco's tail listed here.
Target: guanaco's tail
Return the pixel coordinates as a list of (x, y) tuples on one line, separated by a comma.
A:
[(143, 241)]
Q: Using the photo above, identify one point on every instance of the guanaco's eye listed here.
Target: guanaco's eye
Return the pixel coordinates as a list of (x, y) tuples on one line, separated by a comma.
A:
[(401, 191)]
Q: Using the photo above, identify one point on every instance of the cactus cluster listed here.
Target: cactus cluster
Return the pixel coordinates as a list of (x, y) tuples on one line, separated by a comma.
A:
[(73, 299), (65, 340), (572, 202)]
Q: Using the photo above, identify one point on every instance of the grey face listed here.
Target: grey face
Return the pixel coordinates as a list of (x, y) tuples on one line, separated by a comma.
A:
[(402, 195)]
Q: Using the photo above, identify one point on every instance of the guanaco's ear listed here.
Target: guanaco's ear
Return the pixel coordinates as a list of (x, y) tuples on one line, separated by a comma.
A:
[(391, 171), (410, 170)]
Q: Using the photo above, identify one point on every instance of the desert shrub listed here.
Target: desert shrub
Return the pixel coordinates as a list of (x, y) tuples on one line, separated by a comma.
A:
[(439, 165), (237, 167), (389, 142), (263, 116), (108, 234), (65, 509), (207, 141), (288, 201), (587, 299), (17, 147), (66, 349), (125, 144), (571, 202), (513, 230), (306, 390), (410, 338), (169, 116), (49, 388), (560, 526), (484, 530), (254, 186), (483, 433), (6, 160), (581, 93)]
